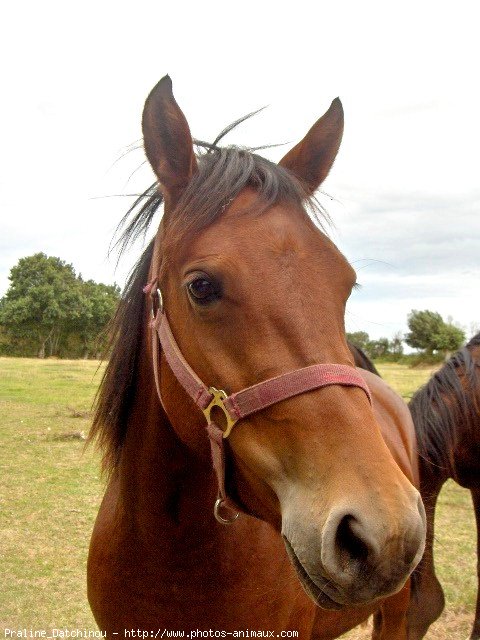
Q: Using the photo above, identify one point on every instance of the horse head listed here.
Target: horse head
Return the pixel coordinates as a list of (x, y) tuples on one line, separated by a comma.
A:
[(253, 289)]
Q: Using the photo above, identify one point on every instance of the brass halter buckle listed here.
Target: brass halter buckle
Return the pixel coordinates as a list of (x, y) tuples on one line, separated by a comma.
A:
[(218, 399)]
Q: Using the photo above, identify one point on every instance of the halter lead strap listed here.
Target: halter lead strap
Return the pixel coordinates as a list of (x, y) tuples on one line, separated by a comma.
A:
[(242, 403)]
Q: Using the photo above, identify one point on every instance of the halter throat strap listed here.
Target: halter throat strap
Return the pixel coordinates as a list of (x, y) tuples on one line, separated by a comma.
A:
[(242, 403)]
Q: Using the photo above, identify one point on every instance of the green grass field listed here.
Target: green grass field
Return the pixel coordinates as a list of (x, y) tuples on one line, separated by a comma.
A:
[(50, 490)]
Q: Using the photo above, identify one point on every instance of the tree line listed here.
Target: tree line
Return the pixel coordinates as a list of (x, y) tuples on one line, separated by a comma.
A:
[(49, 310), (429, 334)]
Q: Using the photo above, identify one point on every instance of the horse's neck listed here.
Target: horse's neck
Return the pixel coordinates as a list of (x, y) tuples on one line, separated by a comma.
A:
[(160, 482), (157, 545)]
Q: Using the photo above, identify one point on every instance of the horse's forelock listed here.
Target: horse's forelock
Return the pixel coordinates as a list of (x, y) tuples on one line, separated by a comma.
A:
[(222, 174)]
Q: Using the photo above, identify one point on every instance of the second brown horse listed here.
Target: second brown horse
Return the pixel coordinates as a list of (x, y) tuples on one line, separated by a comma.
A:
[(446, 413)]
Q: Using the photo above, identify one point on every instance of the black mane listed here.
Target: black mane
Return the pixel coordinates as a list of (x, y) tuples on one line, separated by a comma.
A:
[(447, 403), (117, 390)]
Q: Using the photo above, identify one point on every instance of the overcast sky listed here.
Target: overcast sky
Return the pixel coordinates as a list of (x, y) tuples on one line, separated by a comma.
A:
[(405, 187)]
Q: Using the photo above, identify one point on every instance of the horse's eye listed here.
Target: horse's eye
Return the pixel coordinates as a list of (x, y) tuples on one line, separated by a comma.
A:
[(203, 291)]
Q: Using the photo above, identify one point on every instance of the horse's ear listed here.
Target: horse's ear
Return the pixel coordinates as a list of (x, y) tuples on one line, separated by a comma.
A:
[(167, 140), (312, 158)]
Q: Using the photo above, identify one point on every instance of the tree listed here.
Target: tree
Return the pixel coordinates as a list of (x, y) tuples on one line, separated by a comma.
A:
[(99, 302), (396, 346), (429, 332), (47, 304), (423, 326), (359, 339), (40, 299), (379, 348), (449, 338)]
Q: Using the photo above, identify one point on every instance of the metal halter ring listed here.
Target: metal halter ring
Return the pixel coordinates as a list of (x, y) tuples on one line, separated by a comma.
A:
[(218, 399), (220, 504), (159, 296)]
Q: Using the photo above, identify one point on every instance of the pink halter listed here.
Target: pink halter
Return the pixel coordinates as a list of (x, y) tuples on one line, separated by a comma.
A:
[(242, 403)]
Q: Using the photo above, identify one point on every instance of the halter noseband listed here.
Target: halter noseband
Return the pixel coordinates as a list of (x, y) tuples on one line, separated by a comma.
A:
[(240, 404)]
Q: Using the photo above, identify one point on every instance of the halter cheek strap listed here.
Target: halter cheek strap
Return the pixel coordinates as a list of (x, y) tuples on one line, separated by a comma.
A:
[(242, 403)]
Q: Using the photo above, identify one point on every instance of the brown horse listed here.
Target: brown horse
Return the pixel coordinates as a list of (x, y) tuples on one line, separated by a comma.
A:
[(446, 413), (320, 467)]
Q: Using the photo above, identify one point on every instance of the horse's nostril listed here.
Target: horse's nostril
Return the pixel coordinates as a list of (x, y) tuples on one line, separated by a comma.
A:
[(349, 546)]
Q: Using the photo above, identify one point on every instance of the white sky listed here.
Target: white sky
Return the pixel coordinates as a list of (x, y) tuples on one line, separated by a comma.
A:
[(406, 182)]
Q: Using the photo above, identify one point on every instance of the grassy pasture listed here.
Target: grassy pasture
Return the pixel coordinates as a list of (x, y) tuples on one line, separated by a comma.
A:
[(50, 491)]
